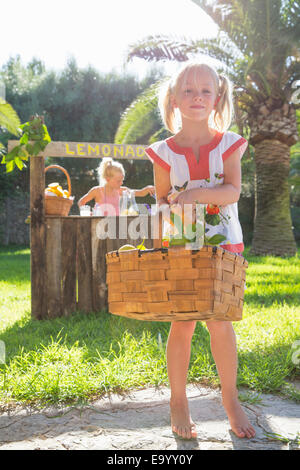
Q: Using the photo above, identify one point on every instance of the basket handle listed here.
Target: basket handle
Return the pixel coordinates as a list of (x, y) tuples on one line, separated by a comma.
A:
[(65, 172)]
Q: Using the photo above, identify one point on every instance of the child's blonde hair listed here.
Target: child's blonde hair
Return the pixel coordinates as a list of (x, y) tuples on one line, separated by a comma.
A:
[(107, 168), (221, 116)]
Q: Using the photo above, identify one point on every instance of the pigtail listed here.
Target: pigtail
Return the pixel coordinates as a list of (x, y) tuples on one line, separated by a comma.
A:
[(223, 107), (166, 108)]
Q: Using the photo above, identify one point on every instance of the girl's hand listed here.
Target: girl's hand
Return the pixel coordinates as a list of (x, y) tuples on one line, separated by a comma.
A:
[(143, 192), (150, 190), (186, 197)]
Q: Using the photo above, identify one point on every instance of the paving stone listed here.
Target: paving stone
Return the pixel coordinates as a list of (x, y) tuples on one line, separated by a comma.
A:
[(139, 420)]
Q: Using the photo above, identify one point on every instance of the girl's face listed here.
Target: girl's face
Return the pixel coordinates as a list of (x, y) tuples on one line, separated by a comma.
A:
[(116, 180), (195, 97)]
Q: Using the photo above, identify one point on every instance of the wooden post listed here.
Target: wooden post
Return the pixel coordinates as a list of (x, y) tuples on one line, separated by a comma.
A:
[(53, 267), (98, 268), (38, 238), (68, 265), (84, 265)]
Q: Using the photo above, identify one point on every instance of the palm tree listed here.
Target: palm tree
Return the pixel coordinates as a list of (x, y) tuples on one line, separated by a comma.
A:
[(258, 45)]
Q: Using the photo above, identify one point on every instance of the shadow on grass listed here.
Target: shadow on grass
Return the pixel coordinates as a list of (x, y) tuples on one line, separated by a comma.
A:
[(258, 299), (260, 259), (94, 331)]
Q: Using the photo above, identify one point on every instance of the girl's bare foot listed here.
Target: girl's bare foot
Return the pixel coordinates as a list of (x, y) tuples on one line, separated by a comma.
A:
[(181, 421), (238, 420)]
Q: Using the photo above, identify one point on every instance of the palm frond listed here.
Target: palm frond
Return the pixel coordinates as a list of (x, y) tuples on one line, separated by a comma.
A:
[(230, 18), (160, 134), (159, 48), (137, 120), (9, 118), (163, 48), (258, 27), (292, 73)]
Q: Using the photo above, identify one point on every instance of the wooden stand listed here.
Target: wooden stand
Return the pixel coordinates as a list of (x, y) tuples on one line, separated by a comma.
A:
[(68, 268)]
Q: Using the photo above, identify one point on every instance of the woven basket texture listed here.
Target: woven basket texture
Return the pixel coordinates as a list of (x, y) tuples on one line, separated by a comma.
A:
[(176, 284)]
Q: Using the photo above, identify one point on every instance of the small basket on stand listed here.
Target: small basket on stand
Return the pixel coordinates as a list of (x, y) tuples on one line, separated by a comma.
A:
[(57, 205), (175, 284)]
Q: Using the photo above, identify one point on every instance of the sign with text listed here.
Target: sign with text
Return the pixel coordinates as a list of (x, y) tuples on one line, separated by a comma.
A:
[(90, 150)]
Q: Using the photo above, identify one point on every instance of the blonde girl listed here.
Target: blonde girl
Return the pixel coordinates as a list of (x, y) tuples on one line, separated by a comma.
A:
[(204, 157), (107, 195)]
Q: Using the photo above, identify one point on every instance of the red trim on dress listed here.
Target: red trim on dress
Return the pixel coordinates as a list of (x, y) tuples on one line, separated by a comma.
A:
[(155, 158), (198, 169), (233, 147), (237, 248)]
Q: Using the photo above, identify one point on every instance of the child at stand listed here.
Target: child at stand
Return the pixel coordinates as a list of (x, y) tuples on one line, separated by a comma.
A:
[(204, 158), (107, 194)]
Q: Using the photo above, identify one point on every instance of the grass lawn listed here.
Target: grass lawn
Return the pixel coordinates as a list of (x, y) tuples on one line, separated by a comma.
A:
[(83, 356)]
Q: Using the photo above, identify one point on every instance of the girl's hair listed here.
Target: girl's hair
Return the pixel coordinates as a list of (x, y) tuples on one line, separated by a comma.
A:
[(221, 116), (107, 168)]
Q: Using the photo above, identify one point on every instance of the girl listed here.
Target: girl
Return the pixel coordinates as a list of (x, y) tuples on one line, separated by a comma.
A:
[(107, 195), (206, 156)]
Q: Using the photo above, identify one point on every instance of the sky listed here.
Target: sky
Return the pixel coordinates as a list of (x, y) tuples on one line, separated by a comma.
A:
[(94, 32)]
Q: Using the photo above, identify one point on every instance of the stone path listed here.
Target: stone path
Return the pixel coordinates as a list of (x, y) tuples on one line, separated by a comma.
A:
[(140, 421)]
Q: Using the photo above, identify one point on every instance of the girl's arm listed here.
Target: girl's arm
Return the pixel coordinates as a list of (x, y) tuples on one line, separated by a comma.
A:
[(223, 194), (140, 192), (162, 184), (88, 197), (144, 191)]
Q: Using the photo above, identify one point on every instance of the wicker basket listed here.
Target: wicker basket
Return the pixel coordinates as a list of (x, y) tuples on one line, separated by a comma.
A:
[(56, 205), (176, 284)]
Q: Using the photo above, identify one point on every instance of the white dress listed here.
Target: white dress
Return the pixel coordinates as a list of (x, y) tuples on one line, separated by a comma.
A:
[(205, 173)]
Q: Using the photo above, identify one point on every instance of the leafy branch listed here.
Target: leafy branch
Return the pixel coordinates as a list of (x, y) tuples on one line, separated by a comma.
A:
[(34, 139)]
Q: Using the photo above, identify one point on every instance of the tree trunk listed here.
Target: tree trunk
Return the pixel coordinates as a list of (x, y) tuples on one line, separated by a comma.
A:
[(273, 234)]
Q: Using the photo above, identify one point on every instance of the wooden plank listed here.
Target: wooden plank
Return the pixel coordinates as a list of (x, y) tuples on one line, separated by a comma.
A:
[(98, 248), (114, 243), (84, 265), (90, 150), (38, 238), (68, 265), (138, 230), (53, 268)]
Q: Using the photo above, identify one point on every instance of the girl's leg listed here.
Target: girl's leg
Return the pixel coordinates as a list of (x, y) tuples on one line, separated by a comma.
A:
[(178, 358), (223, 348)]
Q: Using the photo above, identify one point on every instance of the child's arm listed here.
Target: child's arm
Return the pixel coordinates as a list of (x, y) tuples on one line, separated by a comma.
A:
[(88, 197), (162, 184), (223, 194), (140, 192), (144, 191)]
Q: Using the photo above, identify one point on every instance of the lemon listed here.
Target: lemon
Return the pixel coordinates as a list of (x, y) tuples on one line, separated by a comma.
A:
[(51, 190), (53, 185), (60, 191), (131, 211), (127, 248)]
